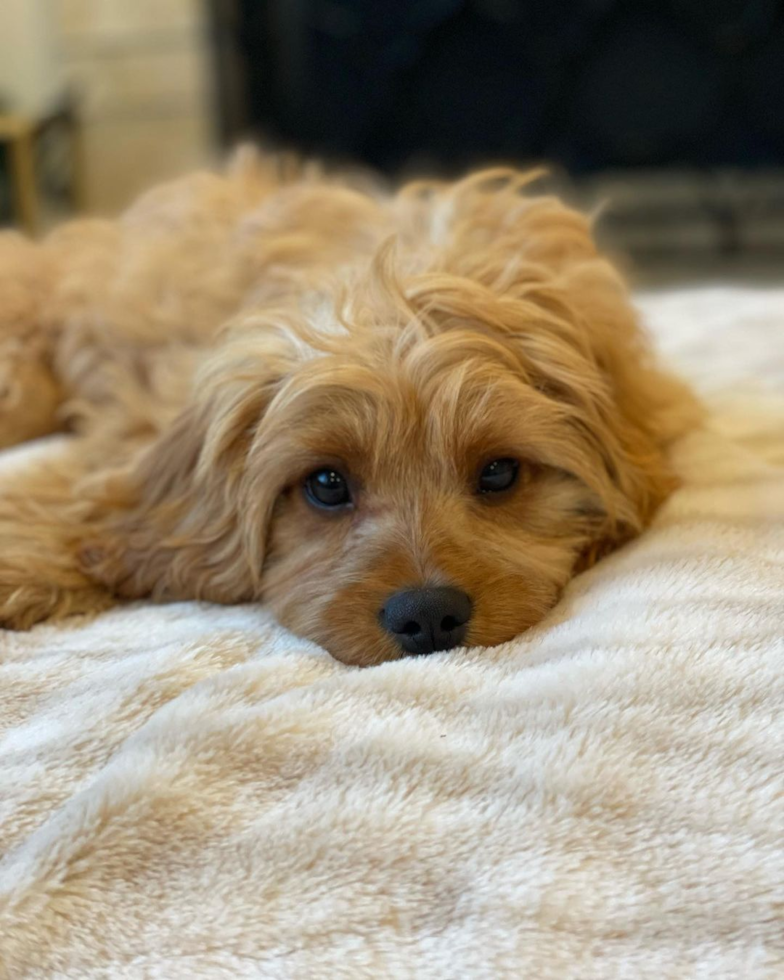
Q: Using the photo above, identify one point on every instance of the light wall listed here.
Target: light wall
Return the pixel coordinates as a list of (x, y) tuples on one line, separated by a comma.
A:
[(141, 70), (141, 73), (31, 67)]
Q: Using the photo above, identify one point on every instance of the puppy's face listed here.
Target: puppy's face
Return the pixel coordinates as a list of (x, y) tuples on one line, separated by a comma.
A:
[(393, 491), (426, 500), (430, 469)]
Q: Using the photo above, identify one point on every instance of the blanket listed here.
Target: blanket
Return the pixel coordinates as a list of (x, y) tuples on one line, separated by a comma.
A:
[(188, 791)]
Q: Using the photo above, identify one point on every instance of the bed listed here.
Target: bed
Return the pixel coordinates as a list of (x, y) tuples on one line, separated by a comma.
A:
[(188, 791)]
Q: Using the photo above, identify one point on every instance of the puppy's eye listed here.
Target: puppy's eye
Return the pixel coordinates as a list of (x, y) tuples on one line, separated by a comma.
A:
[(327, 488), (499, 475)]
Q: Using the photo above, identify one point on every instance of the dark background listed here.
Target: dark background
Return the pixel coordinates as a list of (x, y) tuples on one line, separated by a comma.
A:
[(587, 83), (674, 109)]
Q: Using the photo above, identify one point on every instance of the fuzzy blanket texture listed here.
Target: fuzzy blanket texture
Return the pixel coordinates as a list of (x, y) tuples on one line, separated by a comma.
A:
[(188, 791)]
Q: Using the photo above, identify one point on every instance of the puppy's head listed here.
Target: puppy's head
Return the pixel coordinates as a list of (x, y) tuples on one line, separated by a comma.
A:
[(425, 461)]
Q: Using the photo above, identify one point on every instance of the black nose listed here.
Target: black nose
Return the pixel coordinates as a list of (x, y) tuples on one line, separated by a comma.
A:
[(426, 620)]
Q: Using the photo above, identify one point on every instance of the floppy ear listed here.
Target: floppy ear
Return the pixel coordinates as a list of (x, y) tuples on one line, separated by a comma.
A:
[(639, 409), (527, 268), (187, 519), (597, 363)]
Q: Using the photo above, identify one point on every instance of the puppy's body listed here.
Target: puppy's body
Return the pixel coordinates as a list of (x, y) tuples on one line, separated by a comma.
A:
[(233, 335)]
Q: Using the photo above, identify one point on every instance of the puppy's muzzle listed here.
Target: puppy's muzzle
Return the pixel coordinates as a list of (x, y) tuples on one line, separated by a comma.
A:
[(427, 620)]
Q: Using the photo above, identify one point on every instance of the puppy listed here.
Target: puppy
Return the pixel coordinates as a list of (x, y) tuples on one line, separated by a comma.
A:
[(403, 422)]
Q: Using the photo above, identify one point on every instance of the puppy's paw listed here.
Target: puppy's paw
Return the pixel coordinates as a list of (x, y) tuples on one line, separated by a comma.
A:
[(39, 575), (23, 605), (29, 395)]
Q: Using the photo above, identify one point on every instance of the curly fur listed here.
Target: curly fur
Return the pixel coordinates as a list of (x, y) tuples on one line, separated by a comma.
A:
[(232, 333)]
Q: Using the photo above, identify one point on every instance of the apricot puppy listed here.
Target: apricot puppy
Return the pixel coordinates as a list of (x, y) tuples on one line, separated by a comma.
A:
[(402, 422)]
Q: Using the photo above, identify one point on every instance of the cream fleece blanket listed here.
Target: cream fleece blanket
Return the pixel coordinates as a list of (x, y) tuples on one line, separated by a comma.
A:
[(190, 792)]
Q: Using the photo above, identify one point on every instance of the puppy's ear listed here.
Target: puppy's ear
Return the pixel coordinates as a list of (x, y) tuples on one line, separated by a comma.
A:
[(527, 268), (187, 519), (635, 409), (590, 355)]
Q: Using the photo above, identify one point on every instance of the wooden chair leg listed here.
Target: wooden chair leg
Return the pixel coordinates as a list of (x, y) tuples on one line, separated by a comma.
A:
[(79, 187), (22, 161)]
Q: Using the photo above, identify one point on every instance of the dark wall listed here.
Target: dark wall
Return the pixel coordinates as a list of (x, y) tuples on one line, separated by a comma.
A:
[(588, 83)]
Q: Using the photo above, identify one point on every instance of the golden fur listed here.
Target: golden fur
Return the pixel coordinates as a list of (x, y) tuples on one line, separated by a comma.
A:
[(232, 333)]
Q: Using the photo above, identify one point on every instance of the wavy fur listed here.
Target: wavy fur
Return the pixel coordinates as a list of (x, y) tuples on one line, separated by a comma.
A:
[(232, 333)]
